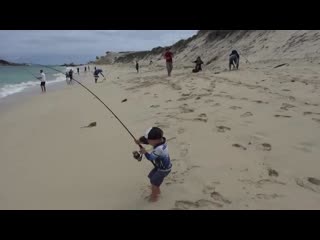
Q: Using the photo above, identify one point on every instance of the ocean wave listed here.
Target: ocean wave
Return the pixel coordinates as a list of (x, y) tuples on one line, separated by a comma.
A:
[(9, 89)]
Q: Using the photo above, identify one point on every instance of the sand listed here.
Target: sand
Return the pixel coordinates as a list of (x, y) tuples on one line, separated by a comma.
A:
[(246, 139)]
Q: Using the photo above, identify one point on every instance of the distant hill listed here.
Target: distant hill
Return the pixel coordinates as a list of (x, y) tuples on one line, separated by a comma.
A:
[(214, 47), (6, 63)]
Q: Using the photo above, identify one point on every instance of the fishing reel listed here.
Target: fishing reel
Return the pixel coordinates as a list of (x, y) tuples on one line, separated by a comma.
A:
[(137, 155)]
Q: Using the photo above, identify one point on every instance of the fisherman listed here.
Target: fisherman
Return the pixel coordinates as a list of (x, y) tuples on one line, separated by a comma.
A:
[(137, 66), (96, 74), (198, 63), (168, 56), (70, 75), (42, 78), (159, 157), (67, 77), (234, 59)]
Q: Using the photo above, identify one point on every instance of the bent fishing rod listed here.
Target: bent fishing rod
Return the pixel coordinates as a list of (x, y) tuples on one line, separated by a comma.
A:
[(96, 98)]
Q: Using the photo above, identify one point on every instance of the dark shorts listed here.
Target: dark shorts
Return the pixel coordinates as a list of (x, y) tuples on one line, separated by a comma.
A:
[(42, 83), (156, 177)]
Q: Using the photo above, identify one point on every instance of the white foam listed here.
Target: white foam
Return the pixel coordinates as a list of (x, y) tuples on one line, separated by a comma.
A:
[(10, 89)]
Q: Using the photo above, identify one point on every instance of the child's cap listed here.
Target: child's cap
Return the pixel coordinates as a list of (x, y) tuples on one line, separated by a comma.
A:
[(154, 133)]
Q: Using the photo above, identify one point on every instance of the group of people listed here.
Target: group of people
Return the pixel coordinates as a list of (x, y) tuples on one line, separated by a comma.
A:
[(234, 59)]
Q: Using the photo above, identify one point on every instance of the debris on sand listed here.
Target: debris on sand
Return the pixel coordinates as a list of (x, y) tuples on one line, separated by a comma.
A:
[(284, 64), (93, 124), (124, 100)]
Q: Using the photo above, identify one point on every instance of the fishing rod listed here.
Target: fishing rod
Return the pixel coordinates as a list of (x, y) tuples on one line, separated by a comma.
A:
[(97, 99)]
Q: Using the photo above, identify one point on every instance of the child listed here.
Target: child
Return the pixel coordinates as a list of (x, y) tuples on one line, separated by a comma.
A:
[(159, 157)]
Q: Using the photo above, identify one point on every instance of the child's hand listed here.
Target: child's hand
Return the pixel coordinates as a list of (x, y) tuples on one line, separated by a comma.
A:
[(143, 150)]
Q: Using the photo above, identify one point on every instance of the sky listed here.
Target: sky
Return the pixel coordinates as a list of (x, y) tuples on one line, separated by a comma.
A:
[(80, 46)]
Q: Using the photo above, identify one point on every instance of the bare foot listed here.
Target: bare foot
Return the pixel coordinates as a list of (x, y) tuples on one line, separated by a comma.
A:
[(153, 198)]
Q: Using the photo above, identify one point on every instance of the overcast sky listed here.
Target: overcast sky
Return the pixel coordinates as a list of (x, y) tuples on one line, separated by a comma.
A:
[(80, 46)]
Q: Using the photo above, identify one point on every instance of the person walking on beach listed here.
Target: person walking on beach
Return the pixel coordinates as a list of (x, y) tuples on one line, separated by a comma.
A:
[(78, 70), (137, 66), (168, 56), (42, 78), (234, 59), (96, 74), (159, 157)]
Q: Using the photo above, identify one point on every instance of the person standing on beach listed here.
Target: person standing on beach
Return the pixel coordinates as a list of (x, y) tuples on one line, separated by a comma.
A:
[(89, 68), (78, 70), (96, 75), (85, 69), (42, 78), (234, 59), (137, 66), (159, 157), (168, 56), (70, 76)]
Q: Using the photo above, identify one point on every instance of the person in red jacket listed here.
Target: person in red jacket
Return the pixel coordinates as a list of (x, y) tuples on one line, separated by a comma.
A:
[(168, 56)]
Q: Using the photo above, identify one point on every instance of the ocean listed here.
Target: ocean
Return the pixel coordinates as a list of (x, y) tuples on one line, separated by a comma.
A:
[(15, 79)]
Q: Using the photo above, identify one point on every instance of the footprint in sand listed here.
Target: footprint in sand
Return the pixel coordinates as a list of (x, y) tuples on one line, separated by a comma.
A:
[(185, 205), (261, 182), (185, 109), (210, 188), (247, 114), (272, 173), (208, 203), (201, 117), (286, 106), (310, 113), (316, 120), (314, 181), (285, 90), (169, 100), (223, 128), (308, 185), (154, 106), (259, 101), (235, 107), (266, 147), (184, 150), (185, 94), (197, 98), (208, 101), (239, 146), (268, 196), (216, 105), (181, 130), (282, 116), (291, 98), (218, 197), (311, 104)]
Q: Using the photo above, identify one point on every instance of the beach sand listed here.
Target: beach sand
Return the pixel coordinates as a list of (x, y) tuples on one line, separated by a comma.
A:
[(246, 139)]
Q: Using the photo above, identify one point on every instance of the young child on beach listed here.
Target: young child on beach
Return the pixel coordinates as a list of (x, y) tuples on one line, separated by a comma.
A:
[(159, 157)]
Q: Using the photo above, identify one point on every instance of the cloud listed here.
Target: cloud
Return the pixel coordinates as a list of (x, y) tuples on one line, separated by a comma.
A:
[(81, 45)]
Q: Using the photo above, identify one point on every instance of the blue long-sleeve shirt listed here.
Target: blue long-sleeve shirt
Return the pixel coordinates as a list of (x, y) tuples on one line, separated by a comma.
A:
[(160, 157)]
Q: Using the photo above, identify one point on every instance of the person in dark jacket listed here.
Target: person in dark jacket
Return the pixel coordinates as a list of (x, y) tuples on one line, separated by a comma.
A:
[(96, 74), (234, 59), (137, 66), (198, 63)]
